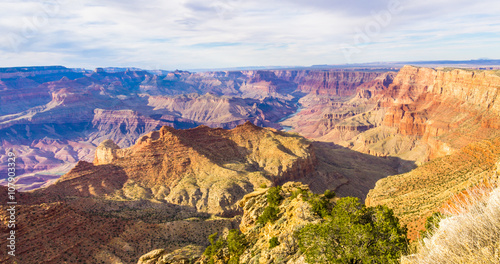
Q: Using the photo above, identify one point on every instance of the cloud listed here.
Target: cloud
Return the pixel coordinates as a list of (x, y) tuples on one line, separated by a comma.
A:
[(224, 33)]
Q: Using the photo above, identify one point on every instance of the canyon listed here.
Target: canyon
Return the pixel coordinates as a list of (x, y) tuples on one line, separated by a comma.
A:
[(174, 153), (173, 187), (54, 116)]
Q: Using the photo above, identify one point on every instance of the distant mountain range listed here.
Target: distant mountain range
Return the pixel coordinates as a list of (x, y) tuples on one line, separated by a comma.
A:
[(479, 63)]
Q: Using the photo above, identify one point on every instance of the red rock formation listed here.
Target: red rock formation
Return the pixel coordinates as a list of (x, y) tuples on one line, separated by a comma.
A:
[(459, 106)]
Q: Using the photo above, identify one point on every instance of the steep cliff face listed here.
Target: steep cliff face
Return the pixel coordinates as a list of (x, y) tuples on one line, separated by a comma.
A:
[(447, 109), (424, 113), (260, 84), (417, 114), (124, 127), (331, 105)]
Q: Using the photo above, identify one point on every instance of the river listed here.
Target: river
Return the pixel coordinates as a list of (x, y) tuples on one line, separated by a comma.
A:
[(288, 128)]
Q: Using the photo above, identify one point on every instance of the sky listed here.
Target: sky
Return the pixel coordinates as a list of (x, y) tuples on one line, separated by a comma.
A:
[(194, 34)]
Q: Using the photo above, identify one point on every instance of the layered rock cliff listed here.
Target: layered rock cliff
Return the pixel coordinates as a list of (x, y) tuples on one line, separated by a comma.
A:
[(335, 83), (332, 114), (447, 109), (419, 114)]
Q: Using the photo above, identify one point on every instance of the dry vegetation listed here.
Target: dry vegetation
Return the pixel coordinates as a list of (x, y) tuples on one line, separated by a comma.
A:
[(470, 234)]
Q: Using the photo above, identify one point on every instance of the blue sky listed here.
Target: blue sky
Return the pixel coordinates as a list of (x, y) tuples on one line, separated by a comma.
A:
[(187, 34)]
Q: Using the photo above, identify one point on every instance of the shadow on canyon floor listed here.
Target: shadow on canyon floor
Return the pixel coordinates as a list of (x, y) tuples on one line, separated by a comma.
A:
[(361, 171)]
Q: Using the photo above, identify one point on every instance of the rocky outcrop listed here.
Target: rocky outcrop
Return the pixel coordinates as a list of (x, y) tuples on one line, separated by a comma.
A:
[(247, 149), (204, 168), (295, 213), (106, 152), (186, 255)]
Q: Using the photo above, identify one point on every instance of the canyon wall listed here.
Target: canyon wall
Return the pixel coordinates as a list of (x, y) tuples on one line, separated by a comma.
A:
[(83, 108), (417, 114), (446, 109)]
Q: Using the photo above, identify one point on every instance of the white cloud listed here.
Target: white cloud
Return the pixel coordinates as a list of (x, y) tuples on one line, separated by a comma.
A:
[(223, 33)]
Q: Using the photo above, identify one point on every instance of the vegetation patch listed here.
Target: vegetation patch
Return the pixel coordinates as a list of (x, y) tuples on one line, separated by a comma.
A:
[(353, 233), (235, 243), (273, 242), (271, 212), (348, 232)]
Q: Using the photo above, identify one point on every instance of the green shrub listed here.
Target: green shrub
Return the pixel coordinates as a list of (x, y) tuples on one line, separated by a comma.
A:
[(274, 197), (235, 243), (215, 246), (320, 205), (305, 194), (270, 214), (273, 242), (329, 194), (353, 233)]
